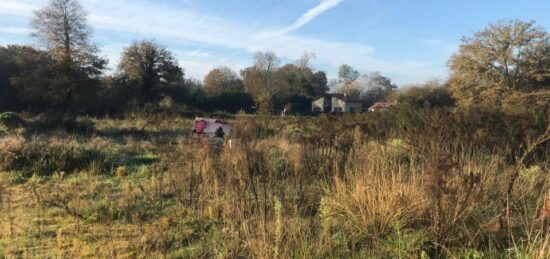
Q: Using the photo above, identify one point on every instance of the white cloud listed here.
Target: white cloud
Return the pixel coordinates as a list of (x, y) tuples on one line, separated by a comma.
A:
[(14, 7), (15, 30), (148, 19), (312, 14)]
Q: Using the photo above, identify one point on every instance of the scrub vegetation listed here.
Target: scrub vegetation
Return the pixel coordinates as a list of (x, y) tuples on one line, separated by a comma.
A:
[(106, 165), (400, 183)]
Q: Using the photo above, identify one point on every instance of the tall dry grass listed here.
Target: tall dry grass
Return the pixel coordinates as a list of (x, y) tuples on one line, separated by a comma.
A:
[(399, 184)]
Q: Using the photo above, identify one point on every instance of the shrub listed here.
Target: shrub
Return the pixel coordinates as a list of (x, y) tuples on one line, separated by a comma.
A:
[(11, 120), (373, 196), (42, 158), (426, 97), (121, 171), (53, 121)]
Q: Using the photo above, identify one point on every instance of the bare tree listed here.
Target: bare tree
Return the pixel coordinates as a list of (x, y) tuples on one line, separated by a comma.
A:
[(260, 79), (371, 87), (267, 63), (304, 61), (62, 26)]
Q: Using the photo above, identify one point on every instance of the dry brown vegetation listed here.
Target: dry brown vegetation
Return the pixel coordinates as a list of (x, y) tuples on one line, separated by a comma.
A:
[(402, 183)]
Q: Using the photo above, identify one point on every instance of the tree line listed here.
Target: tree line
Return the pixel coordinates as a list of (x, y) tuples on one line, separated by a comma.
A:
[(505, 65), (70, 75)]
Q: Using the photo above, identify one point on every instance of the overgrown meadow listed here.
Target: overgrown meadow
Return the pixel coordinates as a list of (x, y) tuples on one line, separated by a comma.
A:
[(397, 184)]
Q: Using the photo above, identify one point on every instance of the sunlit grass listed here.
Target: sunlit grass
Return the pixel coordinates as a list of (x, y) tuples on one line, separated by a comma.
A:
[(376, 185)]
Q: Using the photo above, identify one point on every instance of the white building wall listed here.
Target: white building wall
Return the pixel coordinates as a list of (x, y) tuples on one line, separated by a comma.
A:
[(318, 104), (338, 104)]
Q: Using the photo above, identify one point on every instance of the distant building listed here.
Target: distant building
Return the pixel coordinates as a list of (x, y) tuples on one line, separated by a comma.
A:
[(337, 103), (380, 106)]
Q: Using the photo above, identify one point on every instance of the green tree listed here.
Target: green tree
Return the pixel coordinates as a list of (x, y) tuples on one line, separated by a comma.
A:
[(347, 82), (34, 78), (298, 86), (152, 67), (8, 69), (320, 83), (300, 79), (506, 57), (291, 85), (347, 74), (428, 95), (294, 81), (378, 87)]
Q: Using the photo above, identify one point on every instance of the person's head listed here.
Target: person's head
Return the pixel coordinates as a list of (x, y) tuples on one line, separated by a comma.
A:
[(219, 133)]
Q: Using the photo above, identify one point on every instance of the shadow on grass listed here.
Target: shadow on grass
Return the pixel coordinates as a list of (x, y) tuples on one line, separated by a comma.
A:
[(140, 134), (83, 127), (44, 160)]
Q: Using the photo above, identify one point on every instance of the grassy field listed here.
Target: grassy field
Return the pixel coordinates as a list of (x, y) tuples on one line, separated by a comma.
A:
[(396, 184)]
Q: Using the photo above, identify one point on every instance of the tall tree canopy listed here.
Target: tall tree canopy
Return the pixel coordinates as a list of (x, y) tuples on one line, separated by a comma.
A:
[(303, 79), (347, 82), (8, 69), (347, 74), (298, 86), (427, 95), (506, 57), (293, 80), (36, 74), (222, 80), (288, 85), (260, 79), (305, 60), (152, 67), (62, 26)]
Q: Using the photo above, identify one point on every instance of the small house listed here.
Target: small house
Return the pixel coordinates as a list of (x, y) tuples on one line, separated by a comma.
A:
[(336, 103)]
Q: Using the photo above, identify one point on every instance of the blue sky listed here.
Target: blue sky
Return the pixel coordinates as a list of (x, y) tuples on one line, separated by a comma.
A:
[(409, 41)]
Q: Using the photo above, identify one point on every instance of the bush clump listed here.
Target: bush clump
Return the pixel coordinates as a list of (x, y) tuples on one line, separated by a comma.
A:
[(46, 122), (11, 120), (44, 159)]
